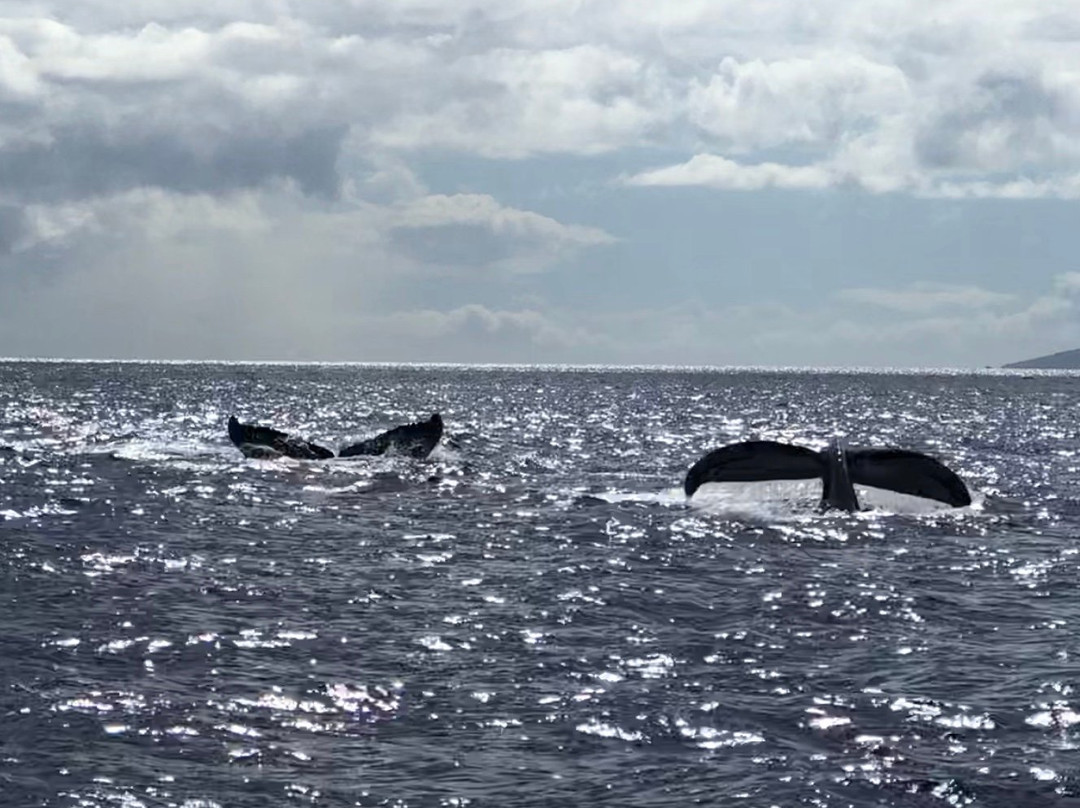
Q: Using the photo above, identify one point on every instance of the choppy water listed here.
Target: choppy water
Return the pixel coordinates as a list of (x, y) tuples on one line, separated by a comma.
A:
[(535, 617)]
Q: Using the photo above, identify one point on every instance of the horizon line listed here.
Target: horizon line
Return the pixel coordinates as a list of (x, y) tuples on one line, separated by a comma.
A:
[(896, 369)]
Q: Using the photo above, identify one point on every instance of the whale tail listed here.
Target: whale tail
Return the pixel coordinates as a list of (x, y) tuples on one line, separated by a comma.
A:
[(262, 441), (907, 472), (899, 470), (754, 461), (415, 440)]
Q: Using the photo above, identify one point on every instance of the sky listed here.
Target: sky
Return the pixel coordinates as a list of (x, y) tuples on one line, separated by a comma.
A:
[(709, 182)]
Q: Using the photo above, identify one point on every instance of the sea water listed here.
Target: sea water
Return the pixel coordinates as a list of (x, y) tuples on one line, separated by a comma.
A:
[(534, 615)]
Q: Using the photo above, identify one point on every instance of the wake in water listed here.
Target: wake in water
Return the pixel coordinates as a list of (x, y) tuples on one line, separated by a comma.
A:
[(781, 501), (788, 500)]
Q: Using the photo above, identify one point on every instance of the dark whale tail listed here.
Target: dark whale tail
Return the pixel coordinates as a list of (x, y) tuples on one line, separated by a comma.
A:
[(754, 461), (415, 440), (262, 441), (907, 472), (839, 468)]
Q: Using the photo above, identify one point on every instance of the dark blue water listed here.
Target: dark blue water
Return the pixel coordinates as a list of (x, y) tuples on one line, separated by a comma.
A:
[(535, 617)]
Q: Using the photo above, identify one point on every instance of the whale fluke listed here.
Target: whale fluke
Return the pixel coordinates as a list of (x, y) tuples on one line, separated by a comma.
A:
[(907, 472), (754, 461), (415, 440), (262, 441), (839, 468)]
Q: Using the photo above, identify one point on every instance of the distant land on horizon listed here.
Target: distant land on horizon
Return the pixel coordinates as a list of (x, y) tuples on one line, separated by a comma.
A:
[(1062, 360)]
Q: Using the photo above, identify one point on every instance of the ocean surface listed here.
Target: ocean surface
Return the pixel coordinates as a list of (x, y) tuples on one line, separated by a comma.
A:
[(534, 615)]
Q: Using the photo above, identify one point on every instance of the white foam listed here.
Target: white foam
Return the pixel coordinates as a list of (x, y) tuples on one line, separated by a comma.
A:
[(775, 500), (669, 497), (892, 502), (787, 499)]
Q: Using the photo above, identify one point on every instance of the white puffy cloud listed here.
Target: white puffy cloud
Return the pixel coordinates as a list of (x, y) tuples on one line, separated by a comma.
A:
[(718, 172), (512, 103), (809, 101)]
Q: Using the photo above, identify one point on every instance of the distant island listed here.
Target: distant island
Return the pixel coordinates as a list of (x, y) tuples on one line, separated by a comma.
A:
[(1063, 360)]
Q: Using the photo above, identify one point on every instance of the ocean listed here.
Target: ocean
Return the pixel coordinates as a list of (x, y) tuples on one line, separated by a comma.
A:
[(534, 615)]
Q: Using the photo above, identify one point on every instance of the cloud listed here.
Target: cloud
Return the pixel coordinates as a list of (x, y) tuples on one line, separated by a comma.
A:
[(926, 297), (1067, 284), (933, 111), (271, 178), (475, 231), (12, 227), (932, 325), (261, 274), (195, 98), (490, 335), (809, 101), (1064, 186), (513, 103), (921, 325), (99, 165), (718, 172)]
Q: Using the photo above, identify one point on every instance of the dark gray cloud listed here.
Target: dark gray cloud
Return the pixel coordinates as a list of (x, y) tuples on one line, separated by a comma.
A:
[(81, 161), (1015, 111), (13, 227)]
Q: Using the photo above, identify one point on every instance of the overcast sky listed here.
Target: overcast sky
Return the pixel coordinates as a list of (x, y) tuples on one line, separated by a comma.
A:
[(881, 183)]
